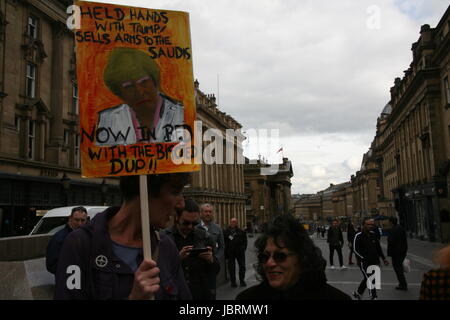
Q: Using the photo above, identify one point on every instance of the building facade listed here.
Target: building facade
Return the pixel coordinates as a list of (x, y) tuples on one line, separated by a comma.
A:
[(219, 183), (308, 207), (365, 187), (39, 136), (413, 143), (334, 202), (405, 173), (267, 195)]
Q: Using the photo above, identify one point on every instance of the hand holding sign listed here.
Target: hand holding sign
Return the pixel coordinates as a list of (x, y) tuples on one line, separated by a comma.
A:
[(146, 281)]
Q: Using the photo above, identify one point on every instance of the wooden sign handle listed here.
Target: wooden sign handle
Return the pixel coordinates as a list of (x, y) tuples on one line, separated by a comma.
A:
[(146, 241)]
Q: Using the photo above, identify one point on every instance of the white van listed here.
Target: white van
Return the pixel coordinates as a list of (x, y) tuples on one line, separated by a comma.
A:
[(55, 219)]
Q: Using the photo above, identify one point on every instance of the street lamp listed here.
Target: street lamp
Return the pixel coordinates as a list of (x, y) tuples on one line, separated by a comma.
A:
[(65, 181)]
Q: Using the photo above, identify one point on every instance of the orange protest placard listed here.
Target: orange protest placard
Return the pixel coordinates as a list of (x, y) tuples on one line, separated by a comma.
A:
[(136, 89)]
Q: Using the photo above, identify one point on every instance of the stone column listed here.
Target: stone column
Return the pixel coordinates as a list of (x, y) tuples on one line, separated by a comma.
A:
[(57, 102)]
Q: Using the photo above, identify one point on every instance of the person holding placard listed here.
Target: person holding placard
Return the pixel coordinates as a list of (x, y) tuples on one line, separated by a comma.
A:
[(103, 259)]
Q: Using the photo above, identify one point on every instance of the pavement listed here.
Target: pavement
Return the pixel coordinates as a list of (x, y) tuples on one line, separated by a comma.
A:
[(420, 254), (225, 291)]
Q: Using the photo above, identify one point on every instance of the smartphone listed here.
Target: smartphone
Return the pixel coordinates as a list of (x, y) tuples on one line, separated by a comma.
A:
[(196, 251)]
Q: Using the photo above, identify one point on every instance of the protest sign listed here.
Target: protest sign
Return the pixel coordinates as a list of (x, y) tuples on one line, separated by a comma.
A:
[(136, 89)]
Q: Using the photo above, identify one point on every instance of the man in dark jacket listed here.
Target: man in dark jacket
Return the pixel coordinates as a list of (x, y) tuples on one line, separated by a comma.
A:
[(104, 259), (235, 246), (368, 253), (335, 242), (216, 234), (351, 232), (199, 267), (397, 249), (77, 218)]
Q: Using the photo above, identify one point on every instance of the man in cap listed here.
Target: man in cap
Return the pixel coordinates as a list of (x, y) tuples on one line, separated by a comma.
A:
[(146, 115)]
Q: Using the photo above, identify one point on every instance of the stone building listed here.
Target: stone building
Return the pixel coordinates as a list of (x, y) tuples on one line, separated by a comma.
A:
[(39, 140), (413, 142), (386, 162), (257, 191), (334, 201), (267, 195), (222, 185), (405, 173), (308, 207), (365, 187)]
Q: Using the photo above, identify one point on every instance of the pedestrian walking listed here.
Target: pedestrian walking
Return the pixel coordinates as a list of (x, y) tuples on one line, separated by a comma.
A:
[(197, 267), (368, 252), (351, 232), (290, 265), (322, 232), (397, 249), (235, 246), (335, 241)]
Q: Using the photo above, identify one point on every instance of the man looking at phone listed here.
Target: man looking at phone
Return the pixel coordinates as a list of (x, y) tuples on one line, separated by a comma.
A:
[(196, 250)]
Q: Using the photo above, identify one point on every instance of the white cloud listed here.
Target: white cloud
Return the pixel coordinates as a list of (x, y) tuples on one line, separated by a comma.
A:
[(318, 172), (312, 69)]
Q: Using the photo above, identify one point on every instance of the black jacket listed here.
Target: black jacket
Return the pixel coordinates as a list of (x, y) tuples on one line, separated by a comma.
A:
[(235, 242), (367, 248), (195, 269), (351, 233), (397, 242), (334, 237), (87, 246), (54, 248), (309, 287)]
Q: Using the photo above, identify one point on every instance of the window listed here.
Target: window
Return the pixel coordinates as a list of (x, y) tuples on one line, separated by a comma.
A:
[(17, 123), (31, 139), (32, 27), (447, 89), (66, 137), (75, 103), (77, 151), (31, 80)]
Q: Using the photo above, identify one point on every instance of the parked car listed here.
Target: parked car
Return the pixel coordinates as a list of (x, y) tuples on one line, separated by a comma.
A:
[(55, 219)]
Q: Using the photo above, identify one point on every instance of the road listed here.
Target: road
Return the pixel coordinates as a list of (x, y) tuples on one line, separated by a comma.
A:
[(420, 253)]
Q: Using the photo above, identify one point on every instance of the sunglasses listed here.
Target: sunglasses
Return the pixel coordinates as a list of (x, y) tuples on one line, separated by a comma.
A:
[(278, 257), (188, 223)]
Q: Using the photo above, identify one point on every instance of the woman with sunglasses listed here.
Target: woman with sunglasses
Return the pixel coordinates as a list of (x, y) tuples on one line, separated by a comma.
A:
[(290, 265)]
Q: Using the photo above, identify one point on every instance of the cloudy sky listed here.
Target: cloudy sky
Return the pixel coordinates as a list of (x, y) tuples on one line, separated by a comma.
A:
[(318, 71)]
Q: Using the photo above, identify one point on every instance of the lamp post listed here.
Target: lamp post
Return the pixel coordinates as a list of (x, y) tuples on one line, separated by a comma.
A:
[(65, 181)]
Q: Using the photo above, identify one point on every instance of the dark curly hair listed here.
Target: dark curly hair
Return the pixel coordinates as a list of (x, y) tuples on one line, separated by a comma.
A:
[(287, 230)]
